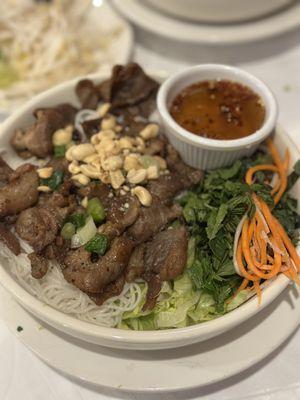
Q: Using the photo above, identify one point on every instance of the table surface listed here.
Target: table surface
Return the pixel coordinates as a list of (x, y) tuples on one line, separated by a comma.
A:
[(24, 376)]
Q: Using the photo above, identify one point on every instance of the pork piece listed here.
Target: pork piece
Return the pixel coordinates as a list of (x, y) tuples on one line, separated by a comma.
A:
[(37, 226), (166, 187), (9, 239), (99, 190), (128, 88), (122, 212), (136, 265), (112, 289), (37, 139), (67, 112), (21, 191), (39, 265), (93, 277), (91, 126), (40, 225), (154, 286), (87, 94), (5, 172), (166, 254), (152, 220), (59, 164), (165, 259)]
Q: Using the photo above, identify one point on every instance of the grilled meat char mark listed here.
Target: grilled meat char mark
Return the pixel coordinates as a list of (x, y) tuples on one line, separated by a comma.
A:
[(93, 277), (21, 191)]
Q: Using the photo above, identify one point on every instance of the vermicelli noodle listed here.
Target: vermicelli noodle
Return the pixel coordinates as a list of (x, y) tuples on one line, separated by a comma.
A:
[(55, 291)]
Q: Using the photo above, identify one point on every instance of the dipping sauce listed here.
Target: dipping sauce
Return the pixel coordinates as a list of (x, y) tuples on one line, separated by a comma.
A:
[(218, 109)]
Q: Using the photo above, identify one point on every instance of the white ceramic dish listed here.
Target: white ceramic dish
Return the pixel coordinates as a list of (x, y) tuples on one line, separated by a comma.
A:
[(160, 24), (163, 371), (219, 10), (112, 337), (118, 52), (205, 153)]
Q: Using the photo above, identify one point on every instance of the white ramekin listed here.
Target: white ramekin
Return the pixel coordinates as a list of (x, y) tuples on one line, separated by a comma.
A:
[(205, 153)]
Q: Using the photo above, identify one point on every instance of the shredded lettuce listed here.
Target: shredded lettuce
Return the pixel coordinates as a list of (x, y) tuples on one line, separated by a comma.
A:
[(178, 306)]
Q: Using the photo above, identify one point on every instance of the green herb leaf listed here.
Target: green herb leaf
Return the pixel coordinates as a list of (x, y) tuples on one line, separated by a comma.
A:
[(96, 210), (68, 230), (78, 220), (59, 151), (98, 244), (215, 220), (54, 181)]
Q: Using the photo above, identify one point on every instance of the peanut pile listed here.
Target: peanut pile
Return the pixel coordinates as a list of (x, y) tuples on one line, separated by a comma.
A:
[(114, 159)]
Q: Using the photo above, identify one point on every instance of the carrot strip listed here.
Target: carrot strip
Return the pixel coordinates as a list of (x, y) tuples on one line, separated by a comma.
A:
[(281, 170), (288, 244), (286, 162), (239, 258), (262, 167), (258, 291), (243, 285)]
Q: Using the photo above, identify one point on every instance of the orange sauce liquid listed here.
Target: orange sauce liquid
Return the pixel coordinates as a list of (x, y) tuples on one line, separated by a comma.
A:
[(218, 109)]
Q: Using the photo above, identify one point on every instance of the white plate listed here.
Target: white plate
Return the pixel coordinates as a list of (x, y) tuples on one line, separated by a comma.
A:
[(118, 52), (158, 371), (112, 337), (161, 24)]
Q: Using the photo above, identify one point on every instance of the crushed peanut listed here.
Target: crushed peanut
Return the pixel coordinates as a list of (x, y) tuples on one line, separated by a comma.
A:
[(84, 202), (117, 160), (143, 195), (45, 173), (150, 131), (44, 188), (103, 109)]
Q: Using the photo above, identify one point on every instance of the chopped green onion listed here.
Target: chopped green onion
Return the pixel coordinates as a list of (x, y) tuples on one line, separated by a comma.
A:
[(96, 209), (148, 161), (77, 219), (84, 234), (54, 181), (68, 230), (59, 151), (98, 244)]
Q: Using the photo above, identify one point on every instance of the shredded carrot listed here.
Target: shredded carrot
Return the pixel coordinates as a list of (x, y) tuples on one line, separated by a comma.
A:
[(243, 285), (263, 167), (286, 162), (264, 249), (258, 291), (281, 170)]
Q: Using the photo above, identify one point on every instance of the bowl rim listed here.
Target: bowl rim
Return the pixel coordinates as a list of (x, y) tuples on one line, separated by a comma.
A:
[(70, 324), (216, 144)]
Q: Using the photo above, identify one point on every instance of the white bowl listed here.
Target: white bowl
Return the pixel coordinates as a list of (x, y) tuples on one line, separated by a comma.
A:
[(204, 153), (112, 337), (221, 11)]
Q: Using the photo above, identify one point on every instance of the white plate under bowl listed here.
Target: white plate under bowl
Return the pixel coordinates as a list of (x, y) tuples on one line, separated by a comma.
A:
[(178, 30), (159, 371), (112, 337)]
